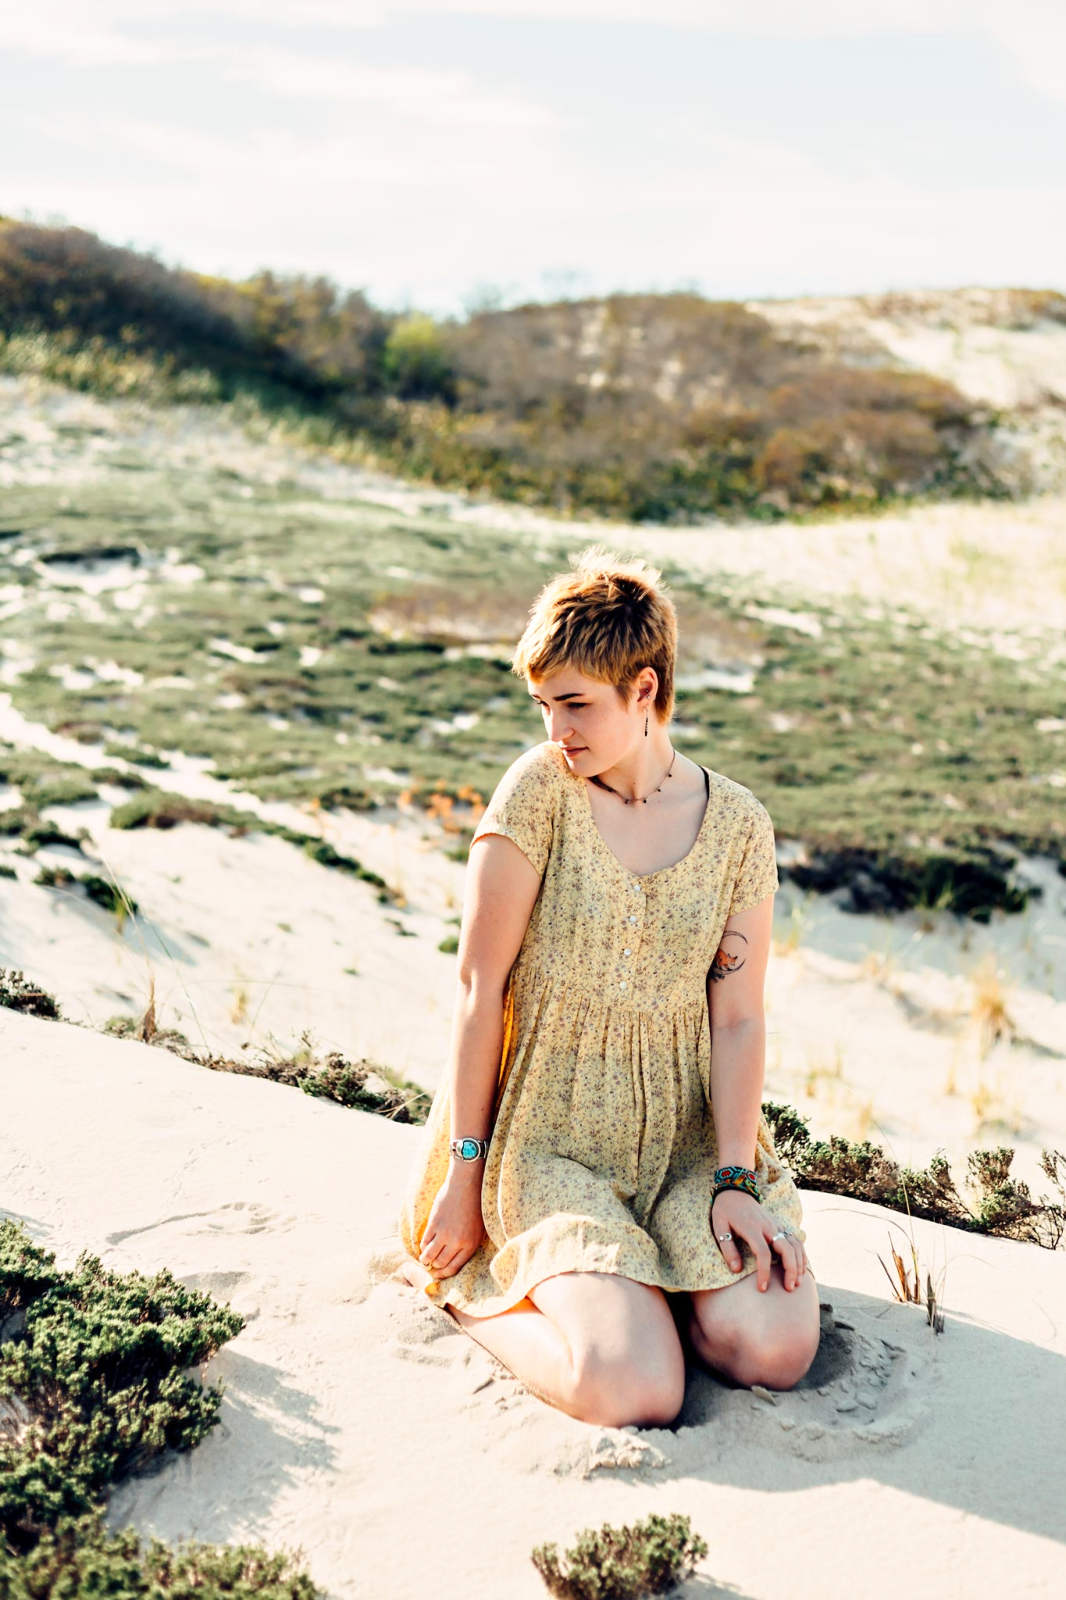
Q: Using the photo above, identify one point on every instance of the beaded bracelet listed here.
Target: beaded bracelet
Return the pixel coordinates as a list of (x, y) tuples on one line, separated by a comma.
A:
[(735, 1178)]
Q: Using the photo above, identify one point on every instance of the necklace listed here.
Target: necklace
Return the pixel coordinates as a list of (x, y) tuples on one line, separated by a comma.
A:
[(630, 799)]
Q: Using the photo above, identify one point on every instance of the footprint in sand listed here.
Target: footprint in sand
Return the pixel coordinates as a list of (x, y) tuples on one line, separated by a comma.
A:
[(235, 1217)]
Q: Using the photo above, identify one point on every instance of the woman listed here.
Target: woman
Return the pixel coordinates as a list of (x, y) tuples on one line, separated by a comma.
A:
[(576, 1204)]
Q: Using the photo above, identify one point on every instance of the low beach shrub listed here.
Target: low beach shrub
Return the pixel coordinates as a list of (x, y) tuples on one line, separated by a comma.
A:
[(651, 1557), (1004, 1205), (95, 1384), (82, 1560), (157, 808), (20, 993), (360, 1085)]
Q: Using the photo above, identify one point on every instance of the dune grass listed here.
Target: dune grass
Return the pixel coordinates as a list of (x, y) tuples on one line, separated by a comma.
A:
[(334, 653)]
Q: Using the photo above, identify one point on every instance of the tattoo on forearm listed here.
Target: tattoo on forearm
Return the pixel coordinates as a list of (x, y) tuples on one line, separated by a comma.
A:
[(727, 960)]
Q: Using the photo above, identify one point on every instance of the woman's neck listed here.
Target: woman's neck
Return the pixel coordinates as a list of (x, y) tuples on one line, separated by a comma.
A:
[(639, 774)]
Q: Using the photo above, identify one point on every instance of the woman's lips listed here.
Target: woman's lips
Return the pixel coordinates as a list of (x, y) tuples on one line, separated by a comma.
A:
[(573, 750)]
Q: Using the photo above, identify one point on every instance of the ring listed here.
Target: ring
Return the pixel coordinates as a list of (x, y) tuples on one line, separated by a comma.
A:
[(725, 1236), (781, 1235)]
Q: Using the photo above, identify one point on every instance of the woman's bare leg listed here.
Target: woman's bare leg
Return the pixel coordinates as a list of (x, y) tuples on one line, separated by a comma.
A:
[(769, 1337), (596, 1345)]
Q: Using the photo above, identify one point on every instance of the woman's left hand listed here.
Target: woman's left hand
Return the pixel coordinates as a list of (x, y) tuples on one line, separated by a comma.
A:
[(738, 1215)]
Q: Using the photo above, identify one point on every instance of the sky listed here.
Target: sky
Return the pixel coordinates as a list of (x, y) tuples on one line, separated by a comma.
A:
[(443, 156)]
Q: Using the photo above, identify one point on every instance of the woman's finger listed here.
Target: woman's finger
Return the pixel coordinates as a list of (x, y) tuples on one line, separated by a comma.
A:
[(727, 1244), (795, 1261), (783, 1247), (801, 1261), (760, 1249)]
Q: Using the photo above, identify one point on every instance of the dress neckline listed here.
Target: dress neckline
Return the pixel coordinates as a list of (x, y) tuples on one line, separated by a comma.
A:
[(659, 871)]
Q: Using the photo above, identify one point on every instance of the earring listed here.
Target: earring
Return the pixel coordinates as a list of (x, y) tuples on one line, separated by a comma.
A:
[(645, 724)]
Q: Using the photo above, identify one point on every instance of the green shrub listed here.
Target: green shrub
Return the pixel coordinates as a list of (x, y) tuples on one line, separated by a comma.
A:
[(82, 1560), (1005, 1205), (98, 1366), (156, 808), (332, 1078), (416, 362), (94, 1384), (651, 1557), (62, 791), (19, 993)]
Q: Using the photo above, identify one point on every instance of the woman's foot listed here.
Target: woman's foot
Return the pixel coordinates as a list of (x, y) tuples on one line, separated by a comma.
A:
[(414, 1273)]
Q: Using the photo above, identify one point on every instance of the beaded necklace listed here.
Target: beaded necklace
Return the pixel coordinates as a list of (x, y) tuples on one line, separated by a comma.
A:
[(637, 799)]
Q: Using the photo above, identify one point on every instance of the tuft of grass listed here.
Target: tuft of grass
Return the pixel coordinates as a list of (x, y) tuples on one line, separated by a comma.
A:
[(906, 1285), (648, 1558), (988, 1005), (101, 891)]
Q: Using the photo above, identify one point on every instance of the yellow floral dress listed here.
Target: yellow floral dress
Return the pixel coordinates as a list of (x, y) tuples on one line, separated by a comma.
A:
[(602, 1150)]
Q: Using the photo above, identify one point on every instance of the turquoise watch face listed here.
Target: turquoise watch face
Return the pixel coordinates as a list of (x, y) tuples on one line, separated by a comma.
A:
[(468, 1149)]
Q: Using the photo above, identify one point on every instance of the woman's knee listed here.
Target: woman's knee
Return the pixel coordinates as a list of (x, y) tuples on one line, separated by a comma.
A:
[(617, 1392), (770, 1350), (776, 1357)]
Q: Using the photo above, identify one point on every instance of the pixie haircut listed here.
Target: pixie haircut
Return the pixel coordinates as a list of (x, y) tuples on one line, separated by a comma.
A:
[(607, 618)]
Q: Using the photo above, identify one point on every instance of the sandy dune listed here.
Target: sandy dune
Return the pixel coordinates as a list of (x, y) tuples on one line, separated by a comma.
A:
[(905, 1460)]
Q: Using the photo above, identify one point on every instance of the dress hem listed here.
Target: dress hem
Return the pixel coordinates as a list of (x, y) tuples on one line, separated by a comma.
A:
[(495, 1305)]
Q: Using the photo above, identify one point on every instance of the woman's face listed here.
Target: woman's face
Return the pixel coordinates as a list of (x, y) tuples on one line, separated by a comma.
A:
[(586, 718)]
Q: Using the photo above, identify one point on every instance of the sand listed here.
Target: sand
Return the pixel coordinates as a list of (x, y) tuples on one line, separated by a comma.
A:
[(360, 1424)]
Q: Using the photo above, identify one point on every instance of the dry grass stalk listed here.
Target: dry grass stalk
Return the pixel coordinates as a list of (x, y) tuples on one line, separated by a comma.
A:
[(988, 1006), (907, 1283)]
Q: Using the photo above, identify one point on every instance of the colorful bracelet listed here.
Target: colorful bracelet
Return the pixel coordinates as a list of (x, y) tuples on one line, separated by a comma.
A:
[(735, 1178)]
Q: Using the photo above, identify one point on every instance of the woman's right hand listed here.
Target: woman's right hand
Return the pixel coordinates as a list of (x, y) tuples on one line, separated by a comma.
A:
[(455, 1227)]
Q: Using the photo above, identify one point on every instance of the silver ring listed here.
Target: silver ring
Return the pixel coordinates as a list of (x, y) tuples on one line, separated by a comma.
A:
[(724, 1236), (781, 1235)]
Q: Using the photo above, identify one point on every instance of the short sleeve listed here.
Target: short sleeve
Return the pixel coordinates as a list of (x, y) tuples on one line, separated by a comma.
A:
[(757, 874), (522, 808)]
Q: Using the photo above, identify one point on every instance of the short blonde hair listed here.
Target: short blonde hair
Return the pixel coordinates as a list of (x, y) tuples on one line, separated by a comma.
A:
[(607, 618)]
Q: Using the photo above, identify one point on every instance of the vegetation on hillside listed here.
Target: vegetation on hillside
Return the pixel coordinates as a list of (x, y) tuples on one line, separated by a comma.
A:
[(637, 406), (910, 764), (94, 1385)]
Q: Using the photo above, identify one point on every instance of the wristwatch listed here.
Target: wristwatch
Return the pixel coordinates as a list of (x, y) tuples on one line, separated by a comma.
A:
[(469, 1149)]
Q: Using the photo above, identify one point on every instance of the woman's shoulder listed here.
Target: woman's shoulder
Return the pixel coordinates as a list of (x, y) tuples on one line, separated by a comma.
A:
[(736, 799), (531, 782), (542, 762), (524, 804)]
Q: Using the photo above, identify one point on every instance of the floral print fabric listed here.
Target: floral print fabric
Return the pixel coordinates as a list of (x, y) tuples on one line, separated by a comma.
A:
[(602, 1151)]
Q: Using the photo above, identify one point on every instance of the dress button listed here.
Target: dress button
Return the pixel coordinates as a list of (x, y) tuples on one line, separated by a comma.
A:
[(627, 951), (632, 919), (622, 984)]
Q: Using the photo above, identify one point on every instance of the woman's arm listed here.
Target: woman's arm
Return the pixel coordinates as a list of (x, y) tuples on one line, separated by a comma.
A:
[(735, 985), (500, 892)]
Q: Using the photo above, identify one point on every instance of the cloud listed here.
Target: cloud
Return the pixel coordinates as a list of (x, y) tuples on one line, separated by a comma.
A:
[(1031, 32), (420, 93)]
